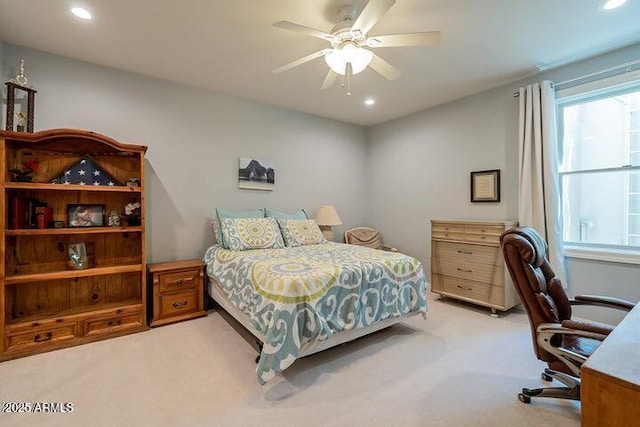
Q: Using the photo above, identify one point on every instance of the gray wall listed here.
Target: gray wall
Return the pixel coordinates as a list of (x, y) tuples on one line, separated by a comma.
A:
[(420, 164), (195, 138)]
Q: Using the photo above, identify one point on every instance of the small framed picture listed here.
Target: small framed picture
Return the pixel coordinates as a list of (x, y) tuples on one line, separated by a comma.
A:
[(485, 186), (85, 215)]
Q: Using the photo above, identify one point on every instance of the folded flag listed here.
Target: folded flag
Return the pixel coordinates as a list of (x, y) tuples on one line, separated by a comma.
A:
[(86, 172)]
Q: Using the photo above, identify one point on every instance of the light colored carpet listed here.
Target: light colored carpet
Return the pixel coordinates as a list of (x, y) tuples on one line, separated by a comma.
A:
[(459, 367)]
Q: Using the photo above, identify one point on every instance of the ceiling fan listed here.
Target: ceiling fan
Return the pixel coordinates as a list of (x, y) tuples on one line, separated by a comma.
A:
[(349, 53)]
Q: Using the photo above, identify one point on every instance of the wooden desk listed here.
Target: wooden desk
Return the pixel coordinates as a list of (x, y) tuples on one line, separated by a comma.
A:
[(611, 377)]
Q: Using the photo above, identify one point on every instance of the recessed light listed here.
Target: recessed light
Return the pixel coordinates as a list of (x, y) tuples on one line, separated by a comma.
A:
[(612, 4), (81, 13), (369, 101)]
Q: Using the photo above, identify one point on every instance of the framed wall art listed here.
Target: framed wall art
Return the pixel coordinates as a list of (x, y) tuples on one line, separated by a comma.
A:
[(256, 174), (485, 186)]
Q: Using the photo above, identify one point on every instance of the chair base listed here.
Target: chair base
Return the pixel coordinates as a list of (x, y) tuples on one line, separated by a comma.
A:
[(571, 391)]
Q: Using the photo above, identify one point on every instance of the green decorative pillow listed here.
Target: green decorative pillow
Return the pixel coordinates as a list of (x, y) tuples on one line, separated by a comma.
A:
[(301, 214), (300, 232), (222, 213), (251, 233)]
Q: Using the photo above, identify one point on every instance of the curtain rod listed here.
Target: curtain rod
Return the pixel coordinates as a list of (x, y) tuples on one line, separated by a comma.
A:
[(516, 93)]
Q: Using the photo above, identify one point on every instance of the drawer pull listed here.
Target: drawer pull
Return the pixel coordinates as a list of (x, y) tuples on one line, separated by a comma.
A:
[(180, 304), (464, 288), (463, 270), (446, 234), (483, 231), (446, 229), (47, 337), (465, 252), (115, 322), (179, 282), (483, 237)]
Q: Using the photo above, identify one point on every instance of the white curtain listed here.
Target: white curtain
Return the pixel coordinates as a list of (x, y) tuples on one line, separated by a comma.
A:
[(539, 204)]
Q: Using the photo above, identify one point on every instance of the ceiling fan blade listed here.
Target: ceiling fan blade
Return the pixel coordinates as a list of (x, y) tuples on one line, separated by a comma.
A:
[(301, 61), (381, 66), (329, 80), (414, 39), (302, 29), (371, 14)]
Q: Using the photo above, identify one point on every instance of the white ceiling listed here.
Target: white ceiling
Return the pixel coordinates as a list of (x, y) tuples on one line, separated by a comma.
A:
[(231, 46)]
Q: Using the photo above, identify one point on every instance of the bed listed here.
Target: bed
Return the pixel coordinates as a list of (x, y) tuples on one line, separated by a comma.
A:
[(301, 300)]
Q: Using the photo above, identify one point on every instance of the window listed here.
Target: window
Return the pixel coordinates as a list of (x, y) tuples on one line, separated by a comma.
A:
[(599, 151)]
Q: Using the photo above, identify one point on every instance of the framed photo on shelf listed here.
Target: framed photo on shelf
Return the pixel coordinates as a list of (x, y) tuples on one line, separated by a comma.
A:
[(485, 186), (85, 215)]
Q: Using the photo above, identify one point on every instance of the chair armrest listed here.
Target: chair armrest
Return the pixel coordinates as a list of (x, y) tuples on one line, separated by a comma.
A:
[(389, 248), (549, 329), (573, 360), (588, 326), (601, 301)]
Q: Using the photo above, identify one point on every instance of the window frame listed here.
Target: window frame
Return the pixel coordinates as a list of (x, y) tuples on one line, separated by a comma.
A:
[(592, 91)]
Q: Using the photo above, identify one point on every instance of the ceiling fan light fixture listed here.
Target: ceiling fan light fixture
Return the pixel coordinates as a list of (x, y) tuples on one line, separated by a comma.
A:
[(81, 13), (359, 58), (613, 4)]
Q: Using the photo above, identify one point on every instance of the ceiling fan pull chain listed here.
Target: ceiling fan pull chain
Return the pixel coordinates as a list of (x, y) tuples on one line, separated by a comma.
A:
[(348, 74)]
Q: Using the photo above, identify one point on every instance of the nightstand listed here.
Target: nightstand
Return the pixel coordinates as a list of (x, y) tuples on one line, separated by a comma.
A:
[(177, 291)]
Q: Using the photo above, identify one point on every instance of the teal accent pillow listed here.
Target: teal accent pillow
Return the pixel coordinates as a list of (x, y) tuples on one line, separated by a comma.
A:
[(300, 232), (222, 213), (301, 214), (251, 233)]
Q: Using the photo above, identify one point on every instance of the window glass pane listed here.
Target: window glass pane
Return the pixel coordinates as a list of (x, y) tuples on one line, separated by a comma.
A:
[(634, 182), (634, 203), (597, 133), (634, 159), (634, 225), (595, 208), (635, 120), (635, 141), (634, 241)]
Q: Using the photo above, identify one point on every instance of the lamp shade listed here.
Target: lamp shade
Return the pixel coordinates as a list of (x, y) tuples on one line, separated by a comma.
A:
[(327, 215), (359, 58)]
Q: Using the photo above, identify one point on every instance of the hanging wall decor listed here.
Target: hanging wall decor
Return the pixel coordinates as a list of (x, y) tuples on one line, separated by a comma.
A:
[(256, 174), (485, 186)]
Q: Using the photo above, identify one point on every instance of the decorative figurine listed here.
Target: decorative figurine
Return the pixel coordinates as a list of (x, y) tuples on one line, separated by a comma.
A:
[(20, 119), (114, 219)]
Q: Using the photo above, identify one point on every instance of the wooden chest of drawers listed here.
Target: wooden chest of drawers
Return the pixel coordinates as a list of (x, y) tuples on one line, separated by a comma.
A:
[(177, 292), (467, 263)]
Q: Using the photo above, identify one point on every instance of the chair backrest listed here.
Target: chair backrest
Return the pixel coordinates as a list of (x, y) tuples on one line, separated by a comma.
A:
[(363, 236), (540, 291)]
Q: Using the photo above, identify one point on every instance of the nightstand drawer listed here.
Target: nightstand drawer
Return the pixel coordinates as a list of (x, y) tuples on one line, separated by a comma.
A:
[(179, 304), (113, 324), (180, 280), (40, 337), (176, 291)]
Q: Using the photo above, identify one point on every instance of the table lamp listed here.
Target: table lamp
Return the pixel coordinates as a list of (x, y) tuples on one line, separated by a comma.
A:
[(326, 217)]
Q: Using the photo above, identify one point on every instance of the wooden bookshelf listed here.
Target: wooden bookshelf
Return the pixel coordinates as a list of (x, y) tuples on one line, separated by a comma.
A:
[(46, 305)]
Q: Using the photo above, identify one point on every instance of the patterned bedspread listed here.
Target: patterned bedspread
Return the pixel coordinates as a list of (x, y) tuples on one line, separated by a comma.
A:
[(297, 295)]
